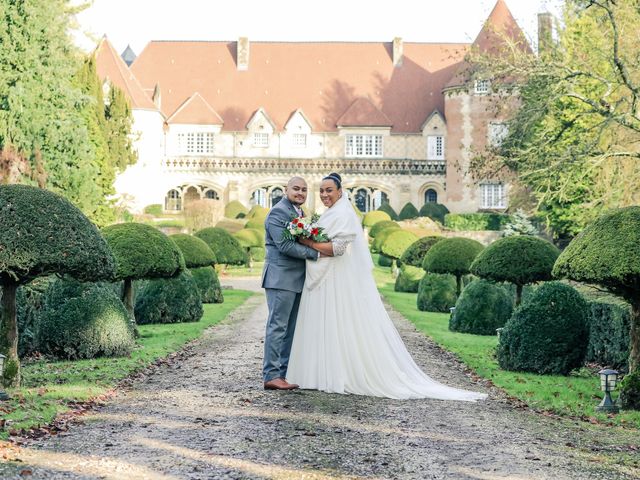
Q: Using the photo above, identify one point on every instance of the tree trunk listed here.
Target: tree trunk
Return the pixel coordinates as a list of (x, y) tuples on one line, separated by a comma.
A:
[(127, 299), (9, 336), (458, 285), (634, 354), (518, 295)]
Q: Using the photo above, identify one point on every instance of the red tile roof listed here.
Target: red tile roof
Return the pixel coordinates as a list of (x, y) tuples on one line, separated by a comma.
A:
[(110, 65), (321, 78), (363, 113), (500, 25), (195, 111)]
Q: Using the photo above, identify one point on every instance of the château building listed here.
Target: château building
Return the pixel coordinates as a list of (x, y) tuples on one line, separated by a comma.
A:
[(235, 120)]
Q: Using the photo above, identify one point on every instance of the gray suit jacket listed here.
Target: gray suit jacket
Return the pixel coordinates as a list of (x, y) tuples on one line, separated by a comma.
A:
[(284, 266)]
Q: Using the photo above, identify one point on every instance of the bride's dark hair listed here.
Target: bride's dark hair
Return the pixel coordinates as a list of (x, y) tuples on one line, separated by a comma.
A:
[(337, 179)]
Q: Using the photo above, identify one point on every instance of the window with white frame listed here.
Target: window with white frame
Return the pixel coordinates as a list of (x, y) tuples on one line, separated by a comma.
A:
[(496, 133), (260, 139), (482, 87), (299, 139), (493, 195), (195, 143), (363, 145), (435, 147)]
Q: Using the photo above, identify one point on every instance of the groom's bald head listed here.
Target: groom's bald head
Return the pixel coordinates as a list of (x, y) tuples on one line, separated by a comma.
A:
[(296, 190)]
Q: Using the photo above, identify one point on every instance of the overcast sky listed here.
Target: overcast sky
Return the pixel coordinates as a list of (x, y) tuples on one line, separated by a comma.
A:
[(136, 22)]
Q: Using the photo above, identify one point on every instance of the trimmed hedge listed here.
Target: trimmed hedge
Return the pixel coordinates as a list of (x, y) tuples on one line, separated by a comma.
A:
[(42, 233), (256, 223), (173, 300), (381, 237), (258, 253), (481, 309), (408, 279), (435, 211), (83, 320), (453, 256), (208, 284), (436, 293), (29, 303), (153, 209), (519, 259), (408, 212), (142, 251), (257, 211), (397, 243), (373, 217), (384, 261), (476, 221), (231, 226), (378, 227), (196, 253), (249, 237), (414, 255), (385, 207), (227, 249), (548, 334), (630, 391), (235, 209)]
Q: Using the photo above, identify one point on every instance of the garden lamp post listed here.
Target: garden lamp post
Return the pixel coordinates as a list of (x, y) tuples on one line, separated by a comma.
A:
[(3, 395), (608, 379)]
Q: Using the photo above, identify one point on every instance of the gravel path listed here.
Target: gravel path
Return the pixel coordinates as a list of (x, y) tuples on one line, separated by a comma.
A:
[(207, 417)]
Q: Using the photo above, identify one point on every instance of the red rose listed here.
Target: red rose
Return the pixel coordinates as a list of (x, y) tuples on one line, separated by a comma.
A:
[(300, 225), (315, 231), (295, 221)]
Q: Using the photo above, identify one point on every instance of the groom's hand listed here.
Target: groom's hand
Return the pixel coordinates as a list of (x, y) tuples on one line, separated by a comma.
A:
[(306, 241)]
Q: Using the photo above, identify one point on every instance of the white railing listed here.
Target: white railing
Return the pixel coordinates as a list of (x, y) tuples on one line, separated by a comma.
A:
[(351, 165)]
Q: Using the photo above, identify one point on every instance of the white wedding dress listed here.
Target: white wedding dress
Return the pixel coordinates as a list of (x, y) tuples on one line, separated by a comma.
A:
[(344, 340)]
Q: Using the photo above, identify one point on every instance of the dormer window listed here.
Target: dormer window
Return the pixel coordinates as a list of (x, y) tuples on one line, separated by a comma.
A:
[(300, 140), (260, 139), (482, 87), (363, 146), (195, 143)]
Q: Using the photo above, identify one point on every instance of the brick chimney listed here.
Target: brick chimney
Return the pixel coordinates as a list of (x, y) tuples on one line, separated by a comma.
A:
[(242, 60), (545, 32), (397, 52)]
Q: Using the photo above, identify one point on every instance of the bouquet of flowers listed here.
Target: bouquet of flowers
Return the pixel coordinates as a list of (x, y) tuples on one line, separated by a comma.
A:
[(300, 227)]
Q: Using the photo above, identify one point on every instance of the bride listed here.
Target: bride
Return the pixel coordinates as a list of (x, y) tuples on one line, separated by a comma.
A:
[(344, 340)]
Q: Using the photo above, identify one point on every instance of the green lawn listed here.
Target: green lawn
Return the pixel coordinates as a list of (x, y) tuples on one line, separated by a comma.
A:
[(575, 395), (49, 388), (242, 271)]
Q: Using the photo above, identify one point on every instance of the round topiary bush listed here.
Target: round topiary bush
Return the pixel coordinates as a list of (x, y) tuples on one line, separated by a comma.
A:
[(154, 209), (257, 211), (255, 224), (258, 253), (630, 391), (606, 253), (83, 320), (371, 218), (384, 261), (436, 293), (208, 284), (248, 239), (397, 243), (226, 248), (235, 209), (141, 252), (195, 251), (231, 226), (453, 256), (173, 300), (435, 211), (548, 334), (378, 227), (519, 259), (385, 207), (414, 255), (408, 212), (481, 309), (41, 233), (409, 279), (381, 237)]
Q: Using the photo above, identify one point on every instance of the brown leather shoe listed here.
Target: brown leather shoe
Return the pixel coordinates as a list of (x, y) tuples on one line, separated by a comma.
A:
[(279, 384)]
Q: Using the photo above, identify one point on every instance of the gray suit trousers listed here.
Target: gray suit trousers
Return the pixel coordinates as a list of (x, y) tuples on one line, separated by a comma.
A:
[(283, 313)]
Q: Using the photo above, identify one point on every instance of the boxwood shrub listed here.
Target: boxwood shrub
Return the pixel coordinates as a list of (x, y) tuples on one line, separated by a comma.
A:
[(414, 255), (208, 284), (226, 248), (195, 251), (436, 293), (408, 212), (409, 279), (548, 334), (435, 211), (384, 261), (173, 300), (397, 243), (83, 320), (378, 227), (453, 256), (482, 307), (385, 207), (373, 217), (476, 221), (235, 209)]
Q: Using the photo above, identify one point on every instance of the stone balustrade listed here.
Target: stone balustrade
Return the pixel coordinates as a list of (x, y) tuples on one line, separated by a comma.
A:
[(305, 165)]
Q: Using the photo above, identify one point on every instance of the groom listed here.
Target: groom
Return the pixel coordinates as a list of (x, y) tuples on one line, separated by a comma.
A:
[(283, 279)]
